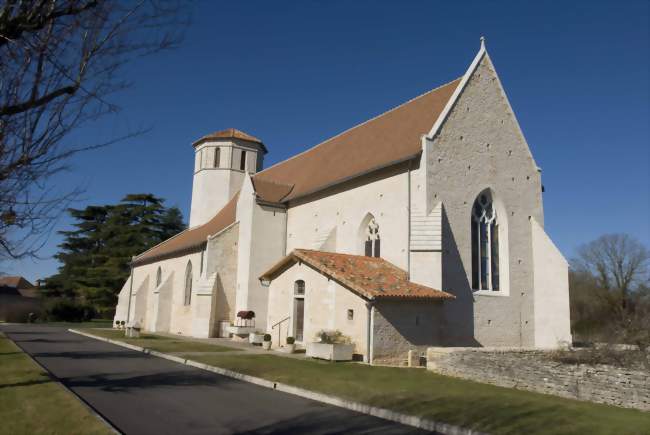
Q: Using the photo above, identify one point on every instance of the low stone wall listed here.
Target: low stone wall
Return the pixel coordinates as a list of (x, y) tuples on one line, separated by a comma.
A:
[(533, 370)]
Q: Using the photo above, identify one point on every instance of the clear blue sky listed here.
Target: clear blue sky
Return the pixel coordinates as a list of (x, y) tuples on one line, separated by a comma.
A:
[(296, 73)]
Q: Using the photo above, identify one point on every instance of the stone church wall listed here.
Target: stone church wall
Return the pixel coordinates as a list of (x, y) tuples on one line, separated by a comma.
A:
[(400, 326), (534, 371), (480, 146)]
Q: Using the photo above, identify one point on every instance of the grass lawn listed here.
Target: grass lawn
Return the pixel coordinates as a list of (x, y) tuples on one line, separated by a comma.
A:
[(31, 403), (419, 392), (159, 342)]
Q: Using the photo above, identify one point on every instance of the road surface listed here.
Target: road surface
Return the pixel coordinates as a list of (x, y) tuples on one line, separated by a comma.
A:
[(143, 394)]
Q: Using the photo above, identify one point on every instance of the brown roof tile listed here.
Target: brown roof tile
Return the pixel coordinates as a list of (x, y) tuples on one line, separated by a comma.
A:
[(389, 138), (17, 282), (192, 238), (271, 191), (368, 277), (229, 133), (392, 137)]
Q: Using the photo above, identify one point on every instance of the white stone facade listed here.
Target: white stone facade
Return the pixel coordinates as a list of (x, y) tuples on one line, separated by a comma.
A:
[(423, 211)]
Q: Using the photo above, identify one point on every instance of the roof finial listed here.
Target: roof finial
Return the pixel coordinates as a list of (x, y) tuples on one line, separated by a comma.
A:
[(482, 41)]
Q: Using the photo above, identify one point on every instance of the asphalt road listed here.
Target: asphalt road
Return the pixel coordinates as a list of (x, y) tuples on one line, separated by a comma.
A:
[(142, 394)]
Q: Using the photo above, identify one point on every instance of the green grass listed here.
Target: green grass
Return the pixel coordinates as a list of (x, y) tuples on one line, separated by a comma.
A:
[(31, 403), (419, 392), (159, 342)]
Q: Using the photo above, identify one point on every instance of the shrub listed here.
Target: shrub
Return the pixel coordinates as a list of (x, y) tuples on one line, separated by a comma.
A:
[(69, 310), (291, 340), (267, 337), (332, 337)]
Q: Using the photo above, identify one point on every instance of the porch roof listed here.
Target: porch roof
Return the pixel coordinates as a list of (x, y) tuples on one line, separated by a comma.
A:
[(369, 277)]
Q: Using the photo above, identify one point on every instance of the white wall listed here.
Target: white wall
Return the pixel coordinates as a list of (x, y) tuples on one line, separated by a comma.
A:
[(122, 302), (172, 315), (211, 190), (261, 245), (162, 307), (326, 307), (551, 271), (385, 195)]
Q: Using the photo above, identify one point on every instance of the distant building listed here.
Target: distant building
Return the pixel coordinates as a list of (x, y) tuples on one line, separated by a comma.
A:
[(18, 297), (423, 226)]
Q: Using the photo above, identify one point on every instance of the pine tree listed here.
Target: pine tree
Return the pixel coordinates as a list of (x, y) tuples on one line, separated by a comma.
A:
[(95, 256)]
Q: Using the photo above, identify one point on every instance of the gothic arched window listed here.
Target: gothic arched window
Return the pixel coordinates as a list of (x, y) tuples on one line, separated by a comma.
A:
[(372, 244), (158, 277), (485, 244), (188, 284)]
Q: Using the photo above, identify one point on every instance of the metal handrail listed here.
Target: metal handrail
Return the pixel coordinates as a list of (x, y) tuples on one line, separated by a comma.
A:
[(276, 324), (280, 329)]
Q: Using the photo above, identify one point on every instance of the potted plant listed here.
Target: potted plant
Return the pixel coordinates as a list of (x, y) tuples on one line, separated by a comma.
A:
[(291, 345), (122, 324), (244, 324), (331, 345), (266, 345)]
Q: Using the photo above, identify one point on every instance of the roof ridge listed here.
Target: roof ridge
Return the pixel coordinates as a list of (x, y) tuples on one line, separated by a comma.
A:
[(359, 125)]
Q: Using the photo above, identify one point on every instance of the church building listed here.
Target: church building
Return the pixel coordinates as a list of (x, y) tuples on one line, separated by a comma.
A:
[(423, 226)]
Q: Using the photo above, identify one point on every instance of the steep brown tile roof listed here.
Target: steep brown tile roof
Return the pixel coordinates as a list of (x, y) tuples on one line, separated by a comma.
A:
[(389, 138), (192, 238), (369, 277), (392, 137), (271, 191), (230, 133), (17, 282)]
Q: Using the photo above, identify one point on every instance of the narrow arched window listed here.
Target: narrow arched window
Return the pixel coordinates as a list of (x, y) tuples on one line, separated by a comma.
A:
[(188, 284), (299, 310), (158, 277), (485, 244), (372, 244), (242, 161), (299, 287), (217, 156)]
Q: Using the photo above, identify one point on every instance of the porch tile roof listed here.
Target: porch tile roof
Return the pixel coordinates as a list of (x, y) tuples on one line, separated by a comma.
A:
[(369, 277)]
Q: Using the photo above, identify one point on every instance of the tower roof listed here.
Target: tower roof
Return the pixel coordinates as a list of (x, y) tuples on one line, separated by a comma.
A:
[(230, 133)]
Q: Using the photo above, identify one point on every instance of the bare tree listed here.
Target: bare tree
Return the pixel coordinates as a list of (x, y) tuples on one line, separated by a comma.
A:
[(610, 287), (618, 262), (59, 64)]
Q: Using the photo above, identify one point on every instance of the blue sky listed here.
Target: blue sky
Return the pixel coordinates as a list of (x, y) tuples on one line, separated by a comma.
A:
[(296, 73)]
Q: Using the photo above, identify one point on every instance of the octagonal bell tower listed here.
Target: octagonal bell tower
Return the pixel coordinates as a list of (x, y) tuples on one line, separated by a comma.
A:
[(220, 163)]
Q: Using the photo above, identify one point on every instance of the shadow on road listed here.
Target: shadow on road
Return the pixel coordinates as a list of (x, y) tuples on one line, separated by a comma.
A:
[(115, 383)]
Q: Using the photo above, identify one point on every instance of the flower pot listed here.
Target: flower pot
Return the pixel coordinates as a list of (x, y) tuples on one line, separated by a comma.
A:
[(266, 345), (332, 352), (241, 331), (254, 338), (290, 348)]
